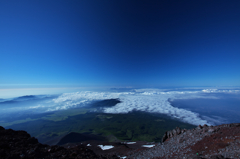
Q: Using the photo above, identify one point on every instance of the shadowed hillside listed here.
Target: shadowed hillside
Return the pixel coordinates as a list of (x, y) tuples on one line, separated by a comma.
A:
[(202, 142)]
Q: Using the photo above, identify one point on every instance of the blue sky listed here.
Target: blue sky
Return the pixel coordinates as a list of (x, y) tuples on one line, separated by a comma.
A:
[(119, 43)]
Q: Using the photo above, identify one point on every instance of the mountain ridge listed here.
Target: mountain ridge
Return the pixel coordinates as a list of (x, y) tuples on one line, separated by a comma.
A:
[(202, 142)]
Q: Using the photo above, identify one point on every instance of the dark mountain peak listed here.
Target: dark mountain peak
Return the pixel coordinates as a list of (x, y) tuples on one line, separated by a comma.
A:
[(1, 128), (106, 103), (19, 144), (26, 97)]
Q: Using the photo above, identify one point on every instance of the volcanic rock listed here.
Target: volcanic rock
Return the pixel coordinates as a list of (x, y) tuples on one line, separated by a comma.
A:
[(172, 133), (19, 145), (202, 142)]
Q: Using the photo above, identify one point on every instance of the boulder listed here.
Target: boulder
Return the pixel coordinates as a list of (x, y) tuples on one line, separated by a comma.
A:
[(172, 133)]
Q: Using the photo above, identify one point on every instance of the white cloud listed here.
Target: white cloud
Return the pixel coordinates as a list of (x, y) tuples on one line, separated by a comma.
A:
[(148, 100), (153, 101), (220, 91)]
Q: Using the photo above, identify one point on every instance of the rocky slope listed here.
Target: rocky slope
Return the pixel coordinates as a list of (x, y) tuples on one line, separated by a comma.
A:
[(214, 142), (20, 145)]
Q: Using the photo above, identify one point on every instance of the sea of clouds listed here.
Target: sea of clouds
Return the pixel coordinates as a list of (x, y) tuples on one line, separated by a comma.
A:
[(147, 100)]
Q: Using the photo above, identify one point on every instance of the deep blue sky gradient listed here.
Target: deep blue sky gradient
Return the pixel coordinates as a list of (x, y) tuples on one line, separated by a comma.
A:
[(120, 43)]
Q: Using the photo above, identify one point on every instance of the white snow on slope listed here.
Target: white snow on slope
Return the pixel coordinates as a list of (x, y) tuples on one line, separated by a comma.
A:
[(106, 147), (148, 146), (130, 142)]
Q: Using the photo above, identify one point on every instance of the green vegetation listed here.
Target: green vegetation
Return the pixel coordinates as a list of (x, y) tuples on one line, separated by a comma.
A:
[(135, 126), (103, 117), (56, 116), (64, 114), (5, 124)]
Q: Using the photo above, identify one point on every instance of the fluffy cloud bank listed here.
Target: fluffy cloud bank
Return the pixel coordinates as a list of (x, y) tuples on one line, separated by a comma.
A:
[(148, 100)]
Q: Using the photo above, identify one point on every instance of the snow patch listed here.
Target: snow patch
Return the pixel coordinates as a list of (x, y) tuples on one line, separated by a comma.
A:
[(148, 146), (130, 142), (106, 147)]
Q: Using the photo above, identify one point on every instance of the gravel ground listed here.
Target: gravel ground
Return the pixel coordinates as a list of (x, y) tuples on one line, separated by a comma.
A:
[(215, 142), (202, 142)]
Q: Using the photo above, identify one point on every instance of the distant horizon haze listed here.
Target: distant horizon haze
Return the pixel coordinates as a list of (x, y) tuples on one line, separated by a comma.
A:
[(16, 90)]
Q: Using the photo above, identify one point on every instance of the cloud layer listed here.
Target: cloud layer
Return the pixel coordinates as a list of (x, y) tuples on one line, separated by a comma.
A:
[(148, 100)]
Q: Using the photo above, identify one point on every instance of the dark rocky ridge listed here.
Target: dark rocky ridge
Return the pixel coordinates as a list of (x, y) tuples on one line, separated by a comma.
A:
[(202, 142), (20, 145)]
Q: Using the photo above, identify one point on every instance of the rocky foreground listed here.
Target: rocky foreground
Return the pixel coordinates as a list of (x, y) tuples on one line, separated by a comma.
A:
[(215, 142), (20, 145)]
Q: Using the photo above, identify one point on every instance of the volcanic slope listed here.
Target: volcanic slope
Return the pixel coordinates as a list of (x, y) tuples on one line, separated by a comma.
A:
[(202, 142)]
